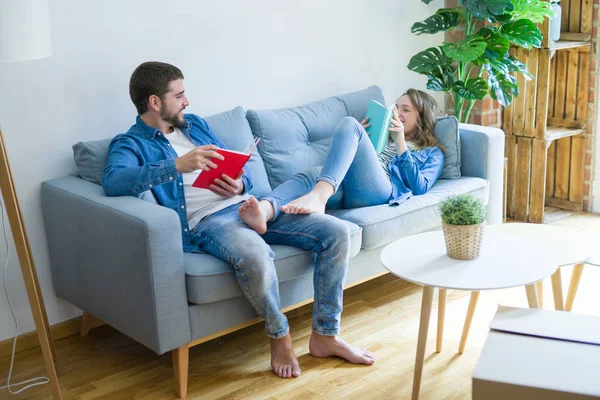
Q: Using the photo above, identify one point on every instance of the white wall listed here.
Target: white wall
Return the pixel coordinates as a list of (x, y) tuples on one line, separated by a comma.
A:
[(258, 54)]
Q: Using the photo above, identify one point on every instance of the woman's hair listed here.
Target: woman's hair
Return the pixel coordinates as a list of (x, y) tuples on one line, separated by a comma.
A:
[(427, 113)]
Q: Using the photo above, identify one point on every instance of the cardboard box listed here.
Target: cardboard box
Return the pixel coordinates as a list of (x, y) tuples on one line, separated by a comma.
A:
[(535, 354)]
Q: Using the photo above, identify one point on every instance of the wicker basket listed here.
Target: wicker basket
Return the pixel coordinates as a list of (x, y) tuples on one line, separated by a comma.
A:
[(463, 242)]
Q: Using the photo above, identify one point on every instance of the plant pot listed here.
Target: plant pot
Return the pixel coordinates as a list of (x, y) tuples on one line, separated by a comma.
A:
[(463, 242), (555, 23)]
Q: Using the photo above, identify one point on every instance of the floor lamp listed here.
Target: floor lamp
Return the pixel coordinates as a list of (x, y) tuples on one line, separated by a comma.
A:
[(25, 35)]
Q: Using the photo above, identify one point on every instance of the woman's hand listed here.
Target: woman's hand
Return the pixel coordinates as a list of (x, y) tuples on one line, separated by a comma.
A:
[(365, 124), (397, 128)]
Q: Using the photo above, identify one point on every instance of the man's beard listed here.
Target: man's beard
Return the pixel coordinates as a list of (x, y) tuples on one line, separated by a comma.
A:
[(172, 119)]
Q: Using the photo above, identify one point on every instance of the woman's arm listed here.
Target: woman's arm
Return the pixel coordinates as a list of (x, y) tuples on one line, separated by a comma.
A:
[(419, 180)]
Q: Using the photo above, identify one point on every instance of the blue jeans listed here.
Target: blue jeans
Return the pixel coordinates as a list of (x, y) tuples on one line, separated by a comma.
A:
[(225, 236), (352, 163)]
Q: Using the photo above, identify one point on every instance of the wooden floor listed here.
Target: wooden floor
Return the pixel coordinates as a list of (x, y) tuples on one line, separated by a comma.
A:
[(381, 315)]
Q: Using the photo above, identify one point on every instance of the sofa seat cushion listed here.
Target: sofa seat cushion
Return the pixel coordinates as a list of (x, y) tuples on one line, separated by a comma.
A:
[(384, 224), (209, 279)]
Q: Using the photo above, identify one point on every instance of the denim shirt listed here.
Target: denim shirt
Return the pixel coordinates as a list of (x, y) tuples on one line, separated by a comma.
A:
[(142, 159), (414, 173)]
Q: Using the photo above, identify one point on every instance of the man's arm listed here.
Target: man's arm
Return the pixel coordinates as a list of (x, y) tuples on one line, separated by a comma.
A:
[(124, 175)]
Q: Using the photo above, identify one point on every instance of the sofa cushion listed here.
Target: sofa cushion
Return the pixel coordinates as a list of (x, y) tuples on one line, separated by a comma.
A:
[(384, 224), (447, 134), (91, 158), (293, 139), (233, 129), (209, 279)]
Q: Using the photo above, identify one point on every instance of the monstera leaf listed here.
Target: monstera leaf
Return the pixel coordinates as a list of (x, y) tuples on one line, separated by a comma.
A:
[(503, 87), (533, 10), (515, 65), (487, 9), (443, 20), (428, 61), (473, 89), (523, 33), (469, 49), (497, 45), (441, 81)]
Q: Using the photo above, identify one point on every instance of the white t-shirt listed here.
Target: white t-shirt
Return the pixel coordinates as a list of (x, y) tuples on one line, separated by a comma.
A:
[(200, 203)]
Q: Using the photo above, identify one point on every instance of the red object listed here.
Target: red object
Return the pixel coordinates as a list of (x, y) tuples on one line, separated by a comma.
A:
[(231, 166)]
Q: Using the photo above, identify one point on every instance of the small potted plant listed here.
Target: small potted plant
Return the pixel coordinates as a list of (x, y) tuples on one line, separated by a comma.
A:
[(463, 221)]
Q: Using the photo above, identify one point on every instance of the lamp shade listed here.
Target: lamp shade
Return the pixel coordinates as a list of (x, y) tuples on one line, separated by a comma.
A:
[(24, 30)]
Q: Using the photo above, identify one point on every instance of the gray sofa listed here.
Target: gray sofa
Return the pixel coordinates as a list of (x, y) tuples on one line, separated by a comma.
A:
[(120, 259)]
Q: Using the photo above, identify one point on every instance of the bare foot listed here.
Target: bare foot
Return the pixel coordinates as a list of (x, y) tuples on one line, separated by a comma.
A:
[(283, 360), (326, 346), (251, 213), (310, 203)]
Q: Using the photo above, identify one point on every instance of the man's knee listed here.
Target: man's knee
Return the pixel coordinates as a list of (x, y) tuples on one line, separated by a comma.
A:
[(335, 232)]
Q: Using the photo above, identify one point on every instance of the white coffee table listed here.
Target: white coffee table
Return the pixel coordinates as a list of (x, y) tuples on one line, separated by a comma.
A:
[(505, 261), (571, 248)]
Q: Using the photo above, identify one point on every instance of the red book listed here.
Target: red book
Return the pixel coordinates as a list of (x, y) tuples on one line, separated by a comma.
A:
[(231, 166)]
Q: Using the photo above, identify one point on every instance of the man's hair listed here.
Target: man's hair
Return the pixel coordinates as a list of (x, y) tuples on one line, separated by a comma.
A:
[(151, 78)]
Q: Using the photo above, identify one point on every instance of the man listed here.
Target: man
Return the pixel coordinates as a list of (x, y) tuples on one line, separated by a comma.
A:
[(165, 151)]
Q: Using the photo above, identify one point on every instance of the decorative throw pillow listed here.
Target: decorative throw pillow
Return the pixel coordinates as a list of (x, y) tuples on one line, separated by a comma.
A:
[(447, 133)]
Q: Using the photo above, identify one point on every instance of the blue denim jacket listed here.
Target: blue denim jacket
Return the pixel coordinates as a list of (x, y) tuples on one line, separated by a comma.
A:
[(142, 159), (414, 172)]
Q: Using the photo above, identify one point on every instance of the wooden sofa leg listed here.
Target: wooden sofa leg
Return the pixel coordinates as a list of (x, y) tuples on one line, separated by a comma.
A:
[(181, 362), (88, 321)]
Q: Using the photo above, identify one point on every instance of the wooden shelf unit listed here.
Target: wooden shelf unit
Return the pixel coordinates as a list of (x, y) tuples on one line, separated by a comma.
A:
[(546, 125)]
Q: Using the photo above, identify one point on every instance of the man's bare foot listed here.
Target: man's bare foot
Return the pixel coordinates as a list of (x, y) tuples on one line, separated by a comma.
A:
[(251, 213), (326, 346), (310, 203), (283, 360)]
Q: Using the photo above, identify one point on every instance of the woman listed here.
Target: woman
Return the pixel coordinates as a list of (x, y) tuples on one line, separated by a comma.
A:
[(410, 165)]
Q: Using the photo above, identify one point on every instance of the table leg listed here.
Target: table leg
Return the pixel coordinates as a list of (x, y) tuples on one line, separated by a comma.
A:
[(443, 295), (468, 320), (575, 278), (557, 290), (532, 298), (540, 292), (422, 341)]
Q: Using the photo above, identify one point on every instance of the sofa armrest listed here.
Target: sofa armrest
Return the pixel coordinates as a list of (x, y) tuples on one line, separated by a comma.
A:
[(118, 258), (482, 156)]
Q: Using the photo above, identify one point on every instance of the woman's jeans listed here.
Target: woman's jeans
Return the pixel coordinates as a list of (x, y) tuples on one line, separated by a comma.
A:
[(225, 236), (352, 163)]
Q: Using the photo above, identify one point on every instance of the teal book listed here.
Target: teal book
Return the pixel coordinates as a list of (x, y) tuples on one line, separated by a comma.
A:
[(379, 118)]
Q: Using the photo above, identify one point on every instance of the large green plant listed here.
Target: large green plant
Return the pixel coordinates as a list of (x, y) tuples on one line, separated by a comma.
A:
[(490, 27)]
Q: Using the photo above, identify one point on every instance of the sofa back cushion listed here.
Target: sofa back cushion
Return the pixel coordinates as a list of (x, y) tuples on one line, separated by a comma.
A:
[(91, 158), (233, 129), (293, 139), (230, 126)]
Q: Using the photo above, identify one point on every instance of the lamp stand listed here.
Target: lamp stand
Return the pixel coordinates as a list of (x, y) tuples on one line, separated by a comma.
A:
[(36, 301)]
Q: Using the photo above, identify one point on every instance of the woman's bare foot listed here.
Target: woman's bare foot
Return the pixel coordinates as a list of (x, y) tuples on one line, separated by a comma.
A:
[(311, 203), (283, 360), (252, 214), (326, 346), (308, 204)]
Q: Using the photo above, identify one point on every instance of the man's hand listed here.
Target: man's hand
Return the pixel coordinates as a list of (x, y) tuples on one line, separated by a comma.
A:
[(199, 158), (365, 124), (228, 187)]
